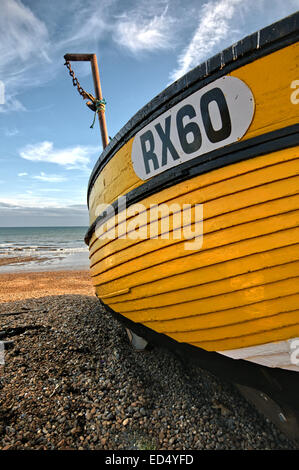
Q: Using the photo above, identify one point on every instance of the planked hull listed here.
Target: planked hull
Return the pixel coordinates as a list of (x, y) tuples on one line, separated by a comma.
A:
[(240, 289), (235, 292)]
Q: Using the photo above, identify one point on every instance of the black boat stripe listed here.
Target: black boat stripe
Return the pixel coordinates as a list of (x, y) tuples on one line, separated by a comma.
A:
[(249, 49)]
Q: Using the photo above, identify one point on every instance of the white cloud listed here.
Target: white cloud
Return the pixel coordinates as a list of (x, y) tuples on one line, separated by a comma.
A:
[(11, 132), (146, 26), (91, 24), (49, 190), (71, 158), (41, 212), (143, 31), (223, 22), (36, 35), (214, 26), (47, 178), (11, 102), (24, 42), (34, 40), (34, 200), (25, 35), (50, 178)]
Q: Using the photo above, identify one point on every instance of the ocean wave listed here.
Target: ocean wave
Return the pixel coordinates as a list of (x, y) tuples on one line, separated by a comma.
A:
[(41, 249)]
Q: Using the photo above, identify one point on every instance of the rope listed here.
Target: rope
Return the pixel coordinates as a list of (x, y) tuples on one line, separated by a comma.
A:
[(100, 105)]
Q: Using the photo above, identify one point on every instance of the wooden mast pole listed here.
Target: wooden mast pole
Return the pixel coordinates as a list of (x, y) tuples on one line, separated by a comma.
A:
[(92, 58)]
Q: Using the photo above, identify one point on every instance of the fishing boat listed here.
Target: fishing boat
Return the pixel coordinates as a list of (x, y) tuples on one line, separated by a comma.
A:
[(193, 208)]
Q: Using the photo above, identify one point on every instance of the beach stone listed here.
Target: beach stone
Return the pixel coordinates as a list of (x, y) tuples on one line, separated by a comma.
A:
[(77, 384)]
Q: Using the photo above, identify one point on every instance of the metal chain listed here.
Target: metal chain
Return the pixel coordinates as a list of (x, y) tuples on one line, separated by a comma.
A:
[(96, 105), (76, 82)]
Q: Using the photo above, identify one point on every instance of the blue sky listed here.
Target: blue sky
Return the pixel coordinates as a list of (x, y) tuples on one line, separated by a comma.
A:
[(47, 148)]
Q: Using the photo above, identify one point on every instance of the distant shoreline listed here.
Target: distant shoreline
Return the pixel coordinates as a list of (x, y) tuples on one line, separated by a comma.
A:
[(42, 264), (30, 264), (20, 259), (30, 249)]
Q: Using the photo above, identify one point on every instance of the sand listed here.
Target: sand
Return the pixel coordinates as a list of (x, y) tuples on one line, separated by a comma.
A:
[(19, 286)]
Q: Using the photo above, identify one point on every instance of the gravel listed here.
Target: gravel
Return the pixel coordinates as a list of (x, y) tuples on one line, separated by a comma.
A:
[(71, 380)]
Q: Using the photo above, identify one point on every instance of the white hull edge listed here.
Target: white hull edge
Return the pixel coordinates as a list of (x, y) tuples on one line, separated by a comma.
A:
[(282, 354)]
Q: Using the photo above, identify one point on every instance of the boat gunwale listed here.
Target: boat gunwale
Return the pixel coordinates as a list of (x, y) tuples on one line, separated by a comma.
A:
[(261, 43)]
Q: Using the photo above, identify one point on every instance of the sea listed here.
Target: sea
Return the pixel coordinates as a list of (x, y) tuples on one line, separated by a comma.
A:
[(54, 248)]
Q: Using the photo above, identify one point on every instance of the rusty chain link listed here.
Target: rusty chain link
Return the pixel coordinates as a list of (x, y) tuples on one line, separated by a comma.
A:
[(95, 104), (76, 83)]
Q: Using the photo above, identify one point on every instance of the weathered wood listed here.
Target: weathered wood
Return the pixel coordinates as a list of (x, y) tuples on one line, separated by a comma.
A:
[(92, 58), (99, 96)]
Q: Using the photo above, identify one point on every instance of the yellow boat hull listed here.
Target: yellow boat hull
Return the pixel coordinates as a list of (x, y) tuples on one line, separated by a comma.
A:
[(237, 292), (241, 288)]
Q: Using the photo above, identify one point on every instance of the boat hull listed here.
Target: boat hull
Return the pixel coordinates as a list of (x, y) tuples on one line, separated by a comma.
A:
[(234, 293), (240, 290)]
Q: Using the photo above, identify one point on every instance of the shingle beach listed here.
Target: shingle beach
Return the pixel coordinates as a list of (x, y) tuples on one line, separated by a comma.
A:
[(71, 380)]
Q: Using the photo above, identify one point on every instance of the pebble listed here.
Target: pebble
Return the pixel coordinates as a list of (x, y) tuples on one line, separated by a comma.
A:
[(75, 382)]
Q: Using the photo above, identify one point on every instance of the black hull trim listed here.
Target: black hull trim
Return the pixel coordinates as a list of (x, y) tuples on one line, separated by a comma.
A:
[(280, 385), (240, 151), (249, 49)]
